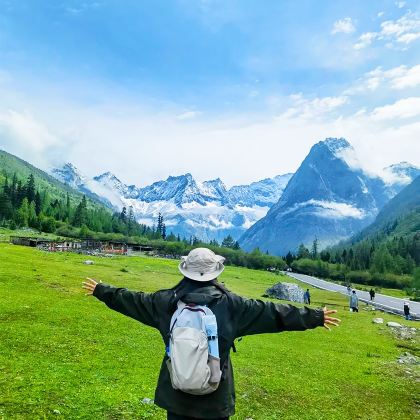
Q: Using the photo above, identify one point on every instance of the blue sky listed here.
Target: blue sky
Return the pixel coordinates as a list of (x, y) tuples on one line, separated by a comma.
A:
[(193, 86)]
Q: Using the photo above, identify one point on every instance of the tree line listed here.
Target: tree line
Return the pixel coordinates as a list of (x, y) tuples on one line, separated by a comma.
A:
[(377, 261), (22, 205)]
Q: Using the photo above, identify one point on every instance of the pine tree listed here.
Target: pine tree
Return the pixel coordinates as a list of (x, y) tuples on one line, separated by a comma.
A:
[(6, 188), (68, 207), (314, 251), (228, 242), (32, 219), (303, 252), (289, 258), (38, 203), (159, 227), (12, 191), (20, 194), (123, 215), (6, 208), (23, 213), (30, 188), (80, 215), (131, 222)]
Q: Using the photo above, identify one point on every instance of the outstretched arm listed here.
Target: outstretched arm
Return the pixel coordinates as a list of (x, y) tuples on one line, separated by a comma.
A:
[(257, 316), (137, 305)]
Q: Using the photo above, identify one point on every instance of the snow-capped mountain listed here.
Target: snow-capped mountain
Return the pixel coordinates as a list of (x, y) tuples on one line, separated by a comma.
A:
[(70, 175), (400, 174), (261, 193), (206, 209), (327, 198)]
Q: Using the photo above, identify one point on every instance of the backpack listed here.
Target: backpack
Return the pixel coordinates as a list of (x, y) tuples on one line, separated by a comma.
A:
[(193, 363)]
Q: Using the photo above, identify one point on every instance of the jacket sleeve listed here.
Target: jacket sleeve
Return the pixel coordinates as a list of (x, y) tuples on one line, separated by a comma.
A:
[(137, 305), (257, 317)]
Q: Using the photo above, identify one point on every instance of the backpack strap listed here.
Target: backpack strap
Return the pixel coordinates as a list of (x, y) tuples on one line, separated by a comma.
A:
[(190, 307)]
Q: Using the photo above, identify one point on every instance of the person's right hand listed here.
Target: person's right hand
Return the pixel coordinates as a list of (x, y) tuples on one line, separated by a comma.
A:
[(90, 285)]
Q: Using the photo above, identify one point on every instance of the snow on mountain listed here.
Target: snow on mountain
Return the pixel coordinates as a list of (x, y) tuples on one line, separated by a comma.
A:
[(70, 175), (262, 193), (204, 209), (328, 198), (400, 173)]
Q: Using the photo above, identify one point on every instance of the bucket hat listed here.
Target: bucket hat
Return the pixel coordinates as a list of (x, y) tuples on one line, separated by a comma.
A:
[(201, 264)]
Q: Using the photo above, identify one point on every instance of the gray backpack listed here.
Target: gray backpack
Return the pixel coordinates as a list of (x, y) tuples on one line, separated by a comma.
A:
[(194, 363)]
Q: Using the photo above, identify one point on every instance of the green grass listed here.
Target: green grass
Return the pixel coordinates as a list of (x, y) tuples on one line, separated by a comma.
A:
[(5, 234), (66, 355)]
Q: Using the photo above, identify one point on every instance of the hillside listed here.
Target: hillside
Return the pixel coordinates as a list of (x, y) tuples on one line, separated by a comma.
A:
[(30, 198), (10, 164), (399, 217)]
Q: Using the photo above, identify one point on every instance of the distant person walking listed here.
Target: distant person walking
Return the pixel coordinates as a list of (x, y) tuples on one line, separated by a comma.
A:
[(407, 315), (372, 294), (307, 297), (231, 316), (348, 290), (354, 302)]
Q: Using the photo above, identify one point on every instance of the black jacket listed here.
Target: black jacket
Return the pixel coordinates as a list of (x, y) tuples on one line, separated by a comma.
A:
[(236, 317)]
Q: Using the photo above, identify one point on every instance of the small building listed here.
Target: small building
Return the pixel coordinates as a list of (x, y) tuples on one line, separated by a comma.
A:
[(86, 245), (26, 241), (139, 248)]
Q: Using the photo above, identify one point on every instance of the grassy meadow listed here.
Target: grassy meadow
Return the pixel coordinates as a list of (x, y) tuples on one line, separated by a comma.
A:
[(66, 355)]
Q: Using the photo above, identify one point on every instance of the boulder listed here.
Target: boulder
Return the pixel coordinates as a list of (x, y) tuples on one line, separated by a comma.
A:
[(408, 359), (286, 291), (393, 324), (378, 320), (88, 262), (147, 401)]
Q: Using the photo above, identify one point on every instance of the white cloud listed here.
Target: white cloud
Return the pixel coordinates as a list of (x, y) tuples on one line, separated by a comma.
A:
[(313, 108), (23, 133), (400, 4), (395, 33), (365, 40), (188, 115), (332, 209), (344, 25), (329, 209), (404, 77), (142, 145), (403, 108), (396, 78), (380, 14), (23, 128)]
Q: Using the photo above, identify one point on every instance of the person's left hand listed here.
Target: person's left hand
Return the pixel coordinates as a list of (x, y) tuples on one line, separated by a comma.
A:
[(90, 285), (328, 320)]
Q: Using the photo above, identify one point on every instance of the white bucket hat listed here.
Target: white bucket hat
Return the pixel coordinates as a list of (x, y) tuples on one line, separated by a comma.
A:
[(201, 264)]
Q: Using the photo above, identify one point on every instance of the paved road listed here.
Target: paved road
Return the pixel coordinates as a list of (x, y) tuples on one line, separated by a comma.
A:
[(384, 302)]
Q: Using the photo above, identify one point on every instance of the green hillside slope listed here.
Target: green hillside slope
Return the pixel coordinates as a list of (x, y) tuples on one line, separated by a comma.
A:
[(10, 164), (400, 216)]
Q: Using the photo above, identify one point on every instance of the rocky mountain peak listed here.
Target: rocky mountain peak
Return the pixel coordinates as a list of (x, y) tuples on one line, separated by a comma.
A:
[(70, 175), (335, 145)]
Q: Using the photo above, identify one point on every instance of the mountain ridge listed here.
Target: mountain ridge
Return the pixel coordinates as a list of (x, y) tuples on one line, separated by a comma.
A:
[(327, 198), (205, 209)]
